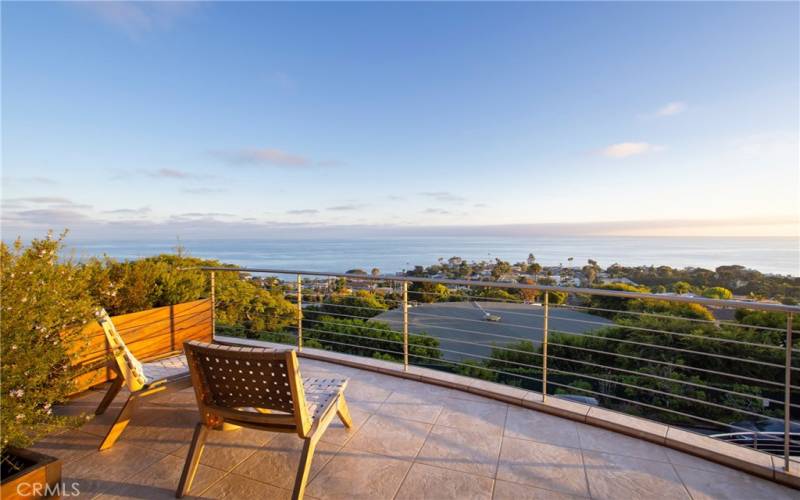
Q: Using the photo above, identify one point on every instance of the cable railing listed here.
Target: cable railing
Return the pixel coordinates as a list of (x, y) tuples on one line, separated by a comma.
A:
[(718, 377)]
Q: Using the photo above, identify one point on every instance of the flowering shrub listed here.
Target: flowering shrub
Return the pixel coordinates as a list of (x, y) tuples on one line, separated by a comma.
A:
[(44, 303)]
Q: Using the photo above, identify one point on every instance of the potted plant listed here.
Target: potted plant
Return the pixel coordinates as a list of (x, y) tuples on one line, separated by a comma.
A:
[(45, 303)]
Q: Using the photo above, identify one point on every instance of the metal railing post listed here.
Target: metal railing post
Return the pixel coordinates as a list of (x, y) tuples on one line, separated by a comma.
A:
[(213, 305), (787, 396), (405, 326), (299, 312), (544, 345)]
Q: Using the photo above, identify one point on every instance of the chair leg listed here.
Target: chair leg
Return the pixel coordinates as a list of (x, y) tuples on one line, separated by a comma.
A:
[(303, 468), (192, 460), (116, 385), (343, 412), (121, 422)]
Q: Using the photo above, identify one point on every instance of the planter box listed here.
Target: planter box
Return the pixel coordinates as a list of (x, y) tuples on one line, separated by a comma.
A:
[(41, 478)]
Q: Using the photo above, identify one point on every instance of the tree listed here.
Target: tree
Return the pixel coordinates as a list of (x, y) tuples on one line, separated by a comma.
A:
[(375, 272), (682, 287), (500, 269)]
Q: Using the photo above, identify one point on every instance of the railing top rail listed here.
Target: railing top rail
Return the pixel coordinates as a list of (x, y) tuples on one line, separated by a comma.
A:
[(758, 306)]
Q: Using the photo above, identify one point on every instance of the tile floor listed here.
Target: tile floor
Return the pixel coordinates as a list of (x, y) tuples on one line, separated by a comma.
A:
[(409, 441)]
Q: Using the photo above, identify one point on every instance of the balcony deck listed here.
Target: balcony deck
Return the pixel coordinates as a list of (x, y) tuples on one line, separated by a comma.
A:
[(409, 440)]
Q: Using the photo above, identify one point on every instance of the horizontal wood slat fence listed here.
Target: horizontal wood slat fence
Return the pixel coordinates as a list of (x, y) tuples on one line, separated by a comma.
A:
[(148, 334)]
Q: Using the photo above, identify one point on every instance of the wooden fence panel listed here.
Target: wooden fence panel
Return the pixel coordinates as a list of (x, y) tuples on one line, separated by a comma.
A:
[(148, 334)]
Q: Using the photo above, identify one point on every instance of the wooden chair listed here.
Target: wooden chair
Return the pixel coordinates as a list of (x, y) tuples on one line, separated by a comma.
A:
[(168, 373), (261, 389)]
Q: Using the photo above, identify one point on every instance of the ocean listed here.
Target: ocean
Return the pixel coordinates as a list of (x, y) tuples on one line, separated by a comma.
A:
[(775, 255)]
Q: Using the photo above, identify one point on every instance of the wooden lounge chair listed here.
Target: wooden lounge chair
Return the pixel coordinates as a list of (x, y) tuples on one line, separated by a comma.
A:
[(143, 379), (261, 389)]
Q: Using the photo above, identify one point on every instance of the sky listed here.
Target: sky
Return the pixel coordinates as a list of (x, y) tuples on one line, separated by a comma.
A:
[(138, 120)]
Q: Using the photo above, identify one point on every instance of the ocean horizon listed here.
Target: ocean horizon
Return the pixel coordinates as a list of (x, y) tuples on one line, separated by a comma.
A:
[(769, 255)]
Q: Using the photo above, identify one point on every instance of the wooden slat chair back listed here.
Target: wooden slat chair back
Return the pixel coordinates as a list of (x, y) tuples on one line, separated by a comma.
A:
[(262, 389), (142, 379)]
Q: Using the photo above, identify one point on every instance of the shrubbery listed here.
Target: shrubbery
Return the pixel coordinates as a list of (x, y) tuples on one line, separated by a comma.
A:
[(45, 305)]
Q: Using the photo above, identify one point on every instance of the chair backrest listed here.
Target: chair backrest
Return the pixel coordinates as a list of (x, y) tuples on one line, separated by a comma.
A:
[(248, 385), (130, 367)]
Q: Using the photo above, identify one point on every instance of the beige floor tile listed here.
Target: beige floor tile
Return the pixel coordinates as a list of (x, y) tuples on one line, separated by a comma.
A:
[(471, 451), (542, 465), (434, 483), (706, 485), (597, 439), (412, 406), (69, 445), (225, 450), (277, 463), (103, 471), (160, 480), (238, 487), (162, 428), (537, 426), (337, 433), (394, 437), (357, 474), (615, 476), (366, 394), (503, 490), (680, 458), (473, 415)]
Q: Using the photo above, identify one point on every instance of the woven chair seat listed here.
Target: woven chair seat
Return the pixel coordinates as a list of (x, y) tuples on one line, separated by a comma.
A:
[(321, 393), (166, 368)]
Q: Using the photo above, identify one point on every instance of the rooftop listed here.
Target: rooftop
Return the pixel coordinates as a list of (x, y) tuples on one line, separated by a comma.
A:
[(409, 440)]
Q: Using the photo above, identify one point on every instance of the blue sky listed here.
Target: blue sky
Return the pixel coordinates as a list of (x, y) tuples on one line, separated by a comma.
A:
[(229, 119)]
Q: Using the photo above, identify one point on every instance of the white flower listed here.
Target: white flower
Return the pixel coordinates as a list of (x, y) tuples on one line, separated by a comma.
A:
[(13, 347), (20, 417), (17, 393)]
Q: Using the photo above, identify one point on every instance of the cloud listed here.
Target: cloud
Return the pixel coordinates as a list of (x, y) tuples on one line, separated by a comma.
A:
[(480, 205), (627, 149), (436, 211), (305, 211), (271, 157), (129, 211), (672, 108), (170, 173), (263, 157), (31, 180), (204, 214), (52, 201), (344, 208), (395, 197), (203, 190), (443, 196), (135, 19)]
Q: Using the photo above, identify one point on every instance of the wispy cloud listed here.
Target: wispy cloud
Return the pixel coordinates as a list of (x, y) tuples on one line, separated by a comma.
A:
[(263, 157), (628, 149), (304, 211), (204, 190), (31, 180), (129, 211), (345, 208), (135, 19), (171, 173), (436, 211), (443, 196), (51, 201), (672, 108), (271, 157), (480, 205)]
